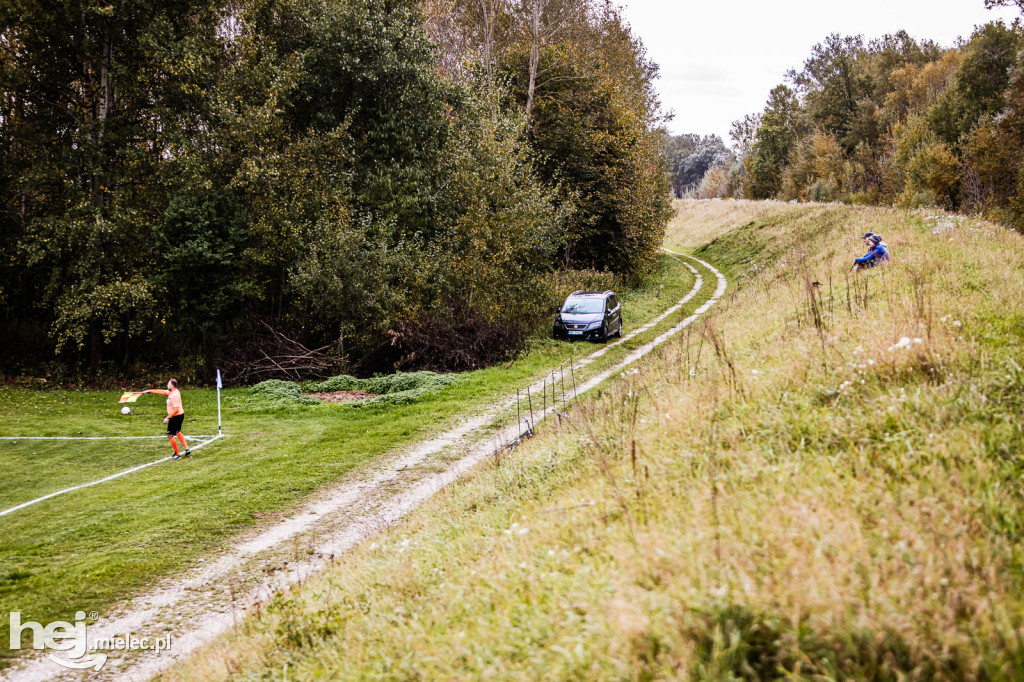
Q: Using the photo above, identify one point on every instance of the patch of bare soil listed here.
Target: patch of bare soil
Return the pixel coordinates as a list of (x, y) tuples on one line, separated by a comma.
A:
[(343, 396)]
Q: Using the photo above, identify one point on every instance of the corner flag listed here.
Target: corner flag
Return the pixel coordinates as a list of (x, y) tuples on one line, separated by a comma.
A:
[(220, 385)]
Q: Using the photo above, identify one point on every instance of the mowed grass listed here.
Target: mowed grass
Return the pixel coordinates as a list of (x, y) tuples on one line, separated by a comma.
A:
[(90, 548), (818, 482), (68, 464)]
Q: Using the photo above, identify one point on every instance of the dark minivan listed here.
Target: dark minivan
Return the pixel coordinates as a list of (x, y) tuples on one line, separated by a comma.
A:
[(589, 315)]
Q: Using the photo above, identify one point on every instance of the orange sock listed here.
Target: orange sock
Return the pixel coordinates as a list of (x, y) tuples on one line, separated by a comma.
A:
[(181, 437), (174, 445)]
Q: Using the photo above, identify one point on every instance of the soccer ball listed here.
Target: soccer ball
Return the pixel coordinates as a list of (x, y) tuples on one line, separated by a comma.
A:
[(126, 410)]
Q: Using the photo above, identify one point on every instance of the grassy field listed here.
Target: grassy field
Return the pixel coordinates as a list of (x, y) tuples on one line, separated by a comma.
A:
[(88, 549), (821, 481)]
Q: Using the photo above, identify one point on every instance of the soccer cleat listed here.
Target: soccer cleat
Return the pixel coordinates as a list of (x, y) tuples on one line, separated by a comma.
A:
[(188, 451), (175, 456)]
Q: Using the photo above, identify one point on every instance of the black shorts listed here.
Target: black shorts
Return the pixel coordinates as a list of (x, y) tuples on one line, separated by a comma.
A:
[(174, 424)]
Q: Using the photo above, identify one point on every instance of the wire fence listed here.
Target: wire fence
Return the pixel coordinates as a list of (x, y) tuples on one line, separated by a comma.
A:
[(554, 393)]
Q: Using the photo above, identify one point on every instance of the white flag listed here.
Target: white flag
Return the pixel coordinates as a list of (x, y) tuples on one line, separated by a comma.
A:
[(219, 384)]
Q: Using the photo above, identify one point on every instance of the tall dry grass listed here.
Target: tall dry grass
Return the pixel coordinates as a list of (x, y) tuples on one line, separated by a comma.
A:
[(699, 221), (821, 480)]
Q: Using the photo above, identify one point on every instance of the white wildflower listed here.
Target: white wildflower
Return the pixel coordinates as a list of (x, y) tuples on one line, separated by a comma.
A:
[(904, 342)]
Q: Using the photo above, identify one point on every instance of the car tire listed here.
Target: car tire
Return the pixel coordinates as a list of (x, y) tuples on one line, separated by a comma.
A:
[(618, 334), (604, 334)]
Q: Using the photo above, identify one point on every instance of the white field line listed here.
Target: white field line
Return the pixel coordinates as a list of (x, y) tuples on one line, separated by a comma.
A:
[(92, 437), (108, 478), (199, 625)]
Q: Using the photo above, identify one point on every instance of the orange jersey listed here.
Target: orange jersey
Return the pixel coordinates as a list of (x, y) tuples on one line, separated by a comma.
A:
[(174, 406)]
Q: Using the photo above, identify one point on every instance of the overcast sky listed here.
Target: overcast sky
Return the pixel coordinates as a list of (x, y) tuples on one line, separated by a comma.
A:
[(719, 59)]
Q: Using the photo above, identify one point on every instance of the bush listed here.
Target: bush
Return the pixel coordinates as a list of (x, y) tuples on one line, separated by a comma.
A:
[(343, 382), (457, 339), (559, 284), (715, 184), (394, 389), (420, 384), (822, 191), (275, 394)]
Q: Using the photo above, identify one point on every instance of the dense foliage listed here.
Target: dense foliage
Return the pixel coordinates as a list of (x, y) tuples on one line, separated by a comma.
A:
[(393, 389), (894, 121), (691, 157), (593, 116), (175, 177)]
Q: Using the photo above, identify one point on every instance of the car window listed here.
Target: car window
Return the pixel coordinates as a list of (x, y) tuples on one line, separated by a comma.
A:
[(615, 302), (580, 306), (608, 304)]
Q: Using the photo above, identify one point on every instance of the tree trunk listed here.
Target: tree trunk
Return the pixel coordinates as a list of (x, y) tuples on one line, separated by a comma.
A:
[(95, 345), (538, 8), (489, 13), (103, 100)]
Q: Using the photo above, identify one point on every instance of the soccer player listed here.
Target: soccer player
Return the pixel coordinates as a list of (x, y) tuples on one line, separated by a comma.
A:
[(175, 416)]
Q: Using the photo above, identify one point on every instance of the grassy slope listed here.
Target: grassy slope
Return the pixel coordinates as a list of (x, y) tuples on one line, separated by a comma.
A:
[(88, 549), (785, 488)]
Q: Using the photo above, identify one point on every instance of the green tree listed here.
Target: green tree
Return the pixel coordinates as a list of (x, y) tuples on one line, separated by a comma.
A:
[(690, 157), (776, 136), (994, 158), (980, 84), (599, 151), (832, 86), (89, 92)]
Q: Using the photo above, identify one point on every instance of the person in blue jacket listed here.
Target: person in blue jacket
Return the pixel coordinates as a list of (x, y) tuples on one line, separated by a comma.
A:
[(877, 254)]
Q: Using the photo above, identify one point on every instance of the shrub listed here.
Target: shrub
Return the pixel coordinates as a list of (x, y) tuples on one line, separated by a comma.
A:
[(342, 382), (715, 184), (559, 284), (420, 385), (276, 394), (457, 339), (823, 191), (394, 389)]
